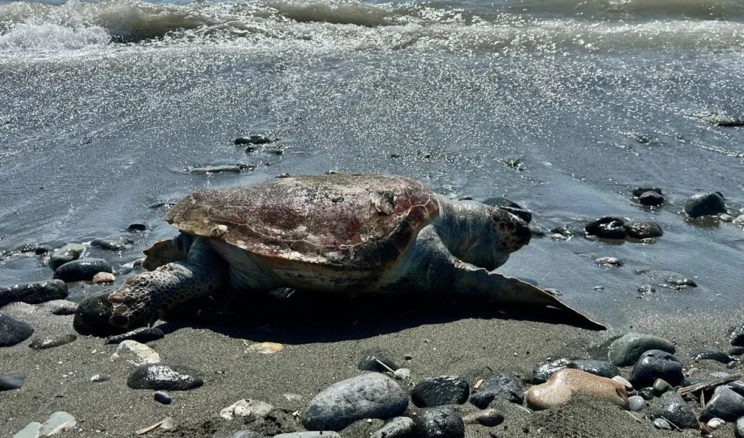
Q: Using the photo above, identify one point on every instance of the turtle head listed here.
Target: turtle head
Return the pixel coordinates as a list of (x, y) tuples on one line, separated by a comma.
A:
[(510, 232), (135, 304)]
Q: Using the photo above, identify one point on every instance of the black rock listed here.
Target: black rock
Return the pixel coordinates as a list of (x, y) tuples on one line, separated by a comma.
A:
[(736, 350), (488, 418), (710, 354), (498, 386), (673, 408), (543, 371), (372, 362), (601, 368), (141, 335), (661, 386), (252, 139), (82, 270), (643, 230), (52, 341), (13, 331), (163, 377), (656, 364), (737, 336), (92, 317), (725, 404), (647, 393), (641, 190), (68, 253), (651, 199), (33, 293), (439, 391), (737, 386), (439, 422), (11, 381), (119, 244), (705, 204), (162, 397), (137, 227), (607, 228)]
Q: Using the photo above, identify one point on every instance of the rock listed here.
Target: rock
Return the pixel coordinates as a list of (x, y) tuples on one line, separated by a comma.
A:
[(736, 350), (162, 397), (439, 422), (137, 227), (168, 424), (641, 190), (135, 353), (68, 253), (564, 384), (636, 403), (607, 228), (141, 335), (13, 331), (739, 430), (230, 168), (11, 381), (439, 391), (725, 404), (265, 348), (674, 409), (402, 374), (597, 367), (737, 386), (656, 364), (117, 244), (82, 269), (32, 430), (643, 230), (737, 336), (662, 424), (253, 139), (59, 307), (371, 395), (376, 363), (57, 422), (498, 386), (104, 278), (52, 341), (651, 199), (247, 409), (608, 261), (722, 119), (705, 204), (543, 371), (710, 354), (661, 386), (626, 350), (646, 289), (99, 378), (488, 418), (646, 393), (398, 427), (318, 434), (33, 293), (163, 377)]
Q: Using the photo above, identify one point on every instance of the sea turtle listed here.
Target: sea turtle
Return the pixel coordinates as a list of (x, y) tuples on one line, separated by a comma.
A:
[(343, 233)]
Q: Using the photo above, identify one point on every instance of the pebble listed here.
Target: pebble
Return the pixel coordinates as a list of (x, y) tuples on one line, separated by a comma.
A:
[(661, 386), (674, 409), (116, 244), (104, 278), (705, 204), (488, 418), (439, 422), (163, 377), (135, 353), (439, 391), (607, 228), (99, 378), (68, 253), (314, 434), (504, 386), (608, 261), (82, 269), (715, 423), (543, 371), (739, 430), (597, 367), (11, 381), (636, 403), (710, 354), (737, 336), (265, 348), (58, 422), (371, 362), (52, 341), (651, 199), (372, 395), (725, 404), (13, 331), (564, 384), (59, 307), (247, 409), (643, 230), (402, 374), (33, 293), (662, 424), (626, 350), (136, 227), (637, 192), (646, 393), (398, 427), (252, 139), (656, 364), (31, 430), (363, 428), (162, 397), (141, 335), (736, 350)]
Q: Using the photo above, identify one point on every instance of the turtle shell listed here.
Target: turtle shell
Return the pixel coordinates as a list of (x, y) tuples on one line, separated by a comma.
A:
[(344, 221)]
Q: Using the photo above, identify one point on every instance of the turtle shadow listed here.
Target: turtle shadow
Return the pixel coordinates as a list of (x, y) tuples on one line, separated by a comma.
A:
[(308, 317)]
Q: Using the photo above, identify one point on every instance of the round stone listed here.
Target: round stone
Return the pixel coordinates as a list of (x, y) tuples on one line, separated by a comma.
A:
[(439, 422), (636, 403), (52, 341), (651, 199), (503, 386), (82, 270), (662, 424), (11, 381), (439, 391), (661, 386), (656, 364), (607, 228), (68, 253), (673, 408), (488, 418), (705, 204), (162, 397), (626, 350), (13, 331)]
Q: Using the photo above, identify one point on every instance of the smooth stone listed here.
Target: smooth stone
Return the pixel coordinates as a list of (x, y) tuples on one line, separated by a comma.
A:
[(715, 423), (623, 381), (643, 230), (82, 270), (564, 384), (52, 341), (439, 391), (710, 354), (136, 227), (13, 331), (402, 374), (247, 409), (168, 424), (674, 409), (601, 368), (705, 204), (11, 381), (252, 139), (488, 418), (641, 190), (725, 404), (68, 253), (116, 244), (662, 424), (163, 377), (141, 335), (31, 430), (439, 422), (737, 336), (58, 422), (636, 403), (312, 434), (646, 289), (99, 378), (607, 228), (543, 371), (661, 386), (647, 393), (739, 429), (736, 350), (33, 293), (372, 395), (656, 364), (651, 199), (104, 278), (59, 307), (369, 362), (626, 350), (135, 353), (503, 386), (398, 427), (162, 397), (608, 261)]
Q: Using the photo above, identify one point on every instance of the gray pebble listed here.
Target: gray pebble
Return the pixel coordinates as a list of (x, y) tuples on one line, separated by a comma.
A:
[(662, 424), (673, 408), (33, 293), (11, 381), (13, 331), (636, 403), (626, 350), (600, 368), (725, 404), (739, 430), (656, 364), (52, 341), (705, 204), (503, 386), (543, 371), (98, 378), (710, 354), (82, 269), (68, 253), (162, 397)]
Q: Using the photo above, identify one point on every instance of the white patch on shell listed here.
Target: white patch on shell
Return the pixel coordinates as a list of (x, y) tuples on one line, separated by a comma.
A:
[(218, 231)]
